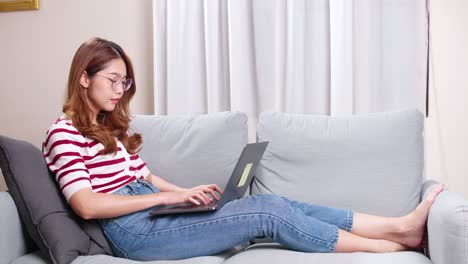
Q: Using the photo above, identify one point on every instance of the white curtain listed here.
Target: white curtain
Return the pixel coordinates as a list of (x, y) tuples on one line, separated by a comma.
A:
[(304, 56)]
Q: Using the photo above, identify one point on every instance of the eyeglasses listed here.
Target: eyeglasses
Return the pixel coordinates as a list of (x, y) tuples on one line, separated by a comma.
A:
[(126, 83)]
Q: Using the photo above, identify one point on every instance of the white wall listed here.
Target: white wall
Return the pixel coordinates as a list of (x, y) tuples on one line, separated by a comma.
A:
[(36, 49), (447, 126)]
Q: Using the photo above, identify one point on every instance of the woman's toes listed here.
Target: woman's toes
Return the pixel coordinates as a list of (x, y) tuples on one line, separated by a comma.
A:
[(433, 194), (423, 208)]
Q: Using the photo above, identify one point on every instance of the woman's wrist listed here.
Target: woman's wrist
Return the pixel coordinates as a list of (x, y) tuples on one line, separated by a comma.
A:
[(158, 199), (180, 189)]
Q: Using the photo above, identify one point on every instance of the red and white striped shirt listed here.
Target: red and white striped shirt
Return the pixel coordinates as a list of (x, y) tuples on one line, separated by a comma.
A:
[(76, 165)]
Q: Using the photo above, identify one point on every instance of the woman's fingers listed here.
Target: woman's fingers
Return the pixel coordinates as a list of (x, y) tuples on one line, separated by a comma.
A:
[(206, 199), (211, 186), (216, 188), (212, 189), (193, 200), (199, 196), (211, 192)]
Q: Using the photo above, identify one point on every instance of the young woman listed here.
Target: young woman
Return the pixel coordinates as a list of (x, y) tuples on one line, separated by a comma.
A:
[(98, 169)]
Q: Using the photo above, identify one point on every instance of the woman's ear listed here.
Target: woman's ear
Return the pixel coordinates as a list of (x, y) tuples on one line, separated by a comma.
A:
[(84, 80)]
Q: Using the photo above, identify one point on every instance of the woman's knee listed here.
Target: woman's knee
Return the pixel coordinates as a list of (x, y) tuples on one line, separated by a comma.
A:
[(263, 204), (272, 198), (273, 204)]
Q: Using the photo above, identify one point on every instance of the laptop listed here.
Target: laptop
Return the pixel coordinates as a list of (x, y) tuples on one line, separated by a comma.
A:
[(240, 180)]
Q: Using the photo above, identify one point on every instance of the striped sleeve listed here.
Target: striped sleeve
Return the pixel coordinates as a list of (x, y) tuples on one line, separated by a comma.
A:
[(63, 152), (139, 166)]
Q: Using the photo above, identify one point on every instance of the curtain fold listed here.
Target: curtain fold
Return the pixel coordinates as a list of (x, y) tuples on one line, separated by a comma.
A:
[(329, 57)]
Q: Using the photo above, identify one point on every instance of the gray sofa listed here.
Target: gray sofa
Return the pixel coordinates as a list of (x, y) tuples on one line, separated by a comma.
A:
[(372, 163)]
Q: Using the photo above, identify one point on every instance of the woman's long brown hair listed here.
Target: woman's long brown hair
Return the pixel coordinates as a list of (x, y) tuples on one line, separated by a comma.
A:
[(91, 57)]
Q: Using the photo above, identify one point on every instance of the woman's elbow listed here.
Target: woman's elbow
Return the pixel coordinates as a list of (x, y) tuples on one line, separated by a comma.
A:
[(82, 205), (84, 213)]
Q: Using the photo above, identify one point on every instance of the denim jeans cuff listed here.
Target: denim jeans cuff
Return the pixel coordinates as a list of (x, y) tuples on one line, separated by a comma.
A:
[(349, 223), (334, 241)]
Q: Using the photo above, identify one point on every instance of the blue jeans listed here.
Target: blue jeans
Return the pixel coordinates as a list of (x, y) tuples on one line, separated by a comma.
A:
[(298, 226)]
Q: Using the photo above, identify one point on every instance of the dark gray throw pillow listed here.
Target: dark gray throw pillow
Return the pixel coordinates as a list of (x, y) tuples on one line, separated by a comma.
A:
[(59, 233)]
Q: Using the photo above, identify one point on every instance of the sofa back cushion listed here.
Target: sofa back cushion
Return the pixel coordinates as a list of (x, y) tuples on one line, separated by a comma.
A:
[(372, 163), (193, 149), (56, 230)]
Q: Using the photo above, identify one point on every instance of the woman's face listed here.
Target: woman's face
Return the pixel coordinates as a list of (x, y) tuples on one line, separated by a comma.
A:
[(99, 91)]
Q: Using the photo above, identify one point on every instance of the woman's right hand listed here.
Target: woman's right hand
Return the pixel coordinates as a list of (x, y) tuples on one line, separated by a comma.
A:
[(186, 196)]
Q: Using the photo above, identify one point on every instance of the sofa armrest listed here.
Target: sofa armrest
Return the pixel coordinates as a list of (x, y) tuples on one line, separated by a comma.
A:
[(447, 227), (13, 242)]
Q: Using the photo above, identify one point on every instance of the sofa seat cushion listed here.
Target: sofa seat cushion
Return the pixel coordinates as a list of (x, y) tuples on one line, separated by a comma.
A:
[(37, 258), (31, 258), (193, 149), (372, 163), (278, 255), (99, 259)]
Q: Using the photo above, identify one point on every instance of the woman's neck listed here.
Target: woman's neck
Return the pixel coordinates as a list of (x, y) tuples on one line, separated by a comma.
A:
[(94, 119)]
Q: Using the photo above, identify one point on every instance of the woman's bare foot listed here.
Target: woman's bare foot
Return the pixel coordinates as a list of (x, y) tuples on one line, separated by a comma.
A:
[(384, 246), (413, 225), (349, 242)]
